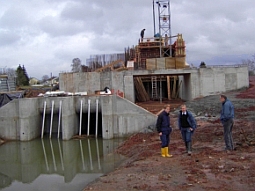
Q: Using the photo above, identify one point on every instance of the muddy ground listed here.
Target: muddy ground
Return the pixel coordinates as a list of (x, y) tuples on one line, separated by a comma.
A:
[(208, 168)]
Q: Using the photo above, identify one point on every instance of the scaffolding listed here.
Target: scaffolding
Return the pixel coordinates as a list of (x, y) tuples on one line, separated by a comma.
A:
[(164, 26)]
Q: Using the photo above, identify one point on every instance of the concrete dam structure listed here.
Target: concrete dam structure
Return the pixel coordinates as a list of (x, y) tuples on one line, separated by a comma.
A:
[(108, 116)]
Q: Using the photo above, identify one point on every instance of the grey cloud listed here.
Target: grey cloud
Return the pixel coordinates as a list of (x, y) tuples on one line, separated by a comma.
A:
[(214, 31), (8, 38), (55, 27)]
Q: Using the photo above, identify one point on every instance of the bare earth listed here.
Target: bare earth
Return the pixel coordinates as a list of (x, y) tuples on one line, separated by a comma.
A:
[(208, 168)]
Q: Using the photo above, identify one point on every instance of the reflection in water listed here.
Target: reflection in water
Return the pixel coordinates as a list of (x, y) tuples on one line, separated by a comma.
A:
[(51, 164)]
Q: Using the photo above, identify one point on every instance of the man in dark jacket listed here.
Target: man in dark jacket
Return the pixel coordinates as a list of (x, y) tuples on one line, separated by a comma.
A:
[(142, 34), (227, 120), (187, 125), (164, 130)]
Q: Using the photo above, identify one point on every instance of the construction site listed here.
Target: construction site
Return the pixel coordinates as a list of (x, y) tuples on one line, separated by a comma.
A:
[(152, 73), (147, 76)]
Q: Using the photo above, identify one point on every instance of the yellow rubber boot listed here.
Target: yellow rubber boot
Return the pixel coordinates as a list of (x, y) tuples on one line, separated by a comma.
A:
[(163, 154), (166, 152)]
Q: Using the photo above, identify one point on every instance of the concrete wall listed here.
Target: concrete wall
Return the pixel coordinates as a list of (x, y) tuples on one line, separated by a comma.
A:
[(122, 117), (9, 121), (211, 81), (196, 82), (80, 82), (29, 119), (22, 119)]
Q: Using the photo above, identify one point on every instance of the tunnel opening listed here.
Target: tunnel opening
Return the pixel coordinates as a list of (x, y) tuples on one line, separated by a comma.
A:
[(54, 128), (91, 125)]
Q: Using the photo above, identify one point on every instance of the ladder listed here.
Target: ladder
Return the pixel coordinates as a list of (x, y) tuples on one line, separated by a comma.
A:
[(154, 92)]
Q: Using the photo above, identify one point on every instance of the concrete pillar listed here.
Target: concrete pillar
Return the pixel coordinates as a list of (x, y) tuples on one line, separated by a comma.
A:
[(29, 119), (107, 116), (70, 120)]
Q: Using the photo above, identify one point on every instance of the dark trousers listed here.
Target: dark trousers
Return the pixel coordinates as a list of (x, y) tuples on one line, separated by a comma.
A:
[(228, 125), (186, 134), (165, 137)]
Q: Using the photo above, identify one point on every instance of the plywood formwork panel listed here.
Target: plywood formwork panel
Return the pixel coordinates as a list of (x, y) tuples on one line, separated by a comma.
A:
[(180, 62), (151, 64), (161, 63), (170, 63)]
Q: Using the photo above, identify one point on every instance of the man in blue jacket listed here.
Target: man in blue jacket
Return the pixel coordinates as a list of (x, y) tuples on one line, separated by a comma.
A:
[(227, 120), (187, 125), (164, 130)]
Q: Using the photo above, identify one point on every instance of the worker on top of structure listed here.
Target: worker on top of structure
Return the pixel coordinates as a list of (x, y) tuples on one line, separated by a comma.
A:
[(142, 34), (166, 40)]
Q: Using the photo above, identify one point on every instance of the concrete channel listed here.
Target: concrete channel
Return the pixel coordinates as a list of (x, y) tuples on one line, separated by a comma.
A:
[(28, 118)]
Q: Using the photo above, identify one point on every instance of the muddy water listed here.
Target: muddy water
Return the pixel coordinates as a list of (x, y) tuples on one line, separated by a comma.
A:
[(52, 164)]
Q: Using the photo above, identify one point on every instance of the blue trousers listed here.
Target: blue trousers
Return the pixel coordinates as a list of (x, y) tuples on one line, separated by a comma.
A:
[(186, 134), (165, 137), (228, 125)]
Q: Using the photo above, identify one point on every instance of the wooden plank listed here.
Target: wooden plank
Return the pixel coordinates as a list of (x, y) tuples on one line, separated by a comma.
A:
[(174, 87), (141, 93), (168, 88), (111, 65), (178, 90)]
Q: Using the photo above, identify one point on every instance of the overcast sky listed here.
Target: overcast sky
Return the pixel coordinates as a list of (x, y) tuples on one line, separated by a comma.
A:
[(45, 35)]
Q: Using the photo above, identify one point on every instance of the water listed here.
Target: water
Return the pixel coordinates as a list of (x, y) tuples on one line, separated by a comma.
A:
[(52, 164)]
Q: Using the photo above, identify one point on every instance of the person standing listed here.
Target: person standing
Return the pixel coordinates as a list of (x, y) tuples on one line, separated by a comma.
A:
[(187, 126), (142, 34), (164, 130), (227, 120)]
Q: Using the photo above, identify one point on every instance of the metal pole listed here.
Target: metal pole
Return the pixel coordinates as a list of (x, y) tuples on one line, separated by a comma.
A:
[(44, 110), (88, 117), (159, 26), (160, 89), (80, 118), (96, 117), (51, 117), (59, 116), (154, 24), (170, 33)]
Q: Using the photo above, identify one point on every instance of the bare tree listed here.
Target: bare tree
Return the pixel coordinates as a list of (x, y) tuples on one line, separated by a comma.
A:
[(76, 65), (45, 78), (251, 64)]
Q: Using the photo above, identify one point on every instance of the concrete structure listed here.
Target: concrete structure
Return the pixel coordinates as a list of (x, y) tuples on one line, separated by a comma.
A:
[(22, 119), (7, 84), (195, 82)]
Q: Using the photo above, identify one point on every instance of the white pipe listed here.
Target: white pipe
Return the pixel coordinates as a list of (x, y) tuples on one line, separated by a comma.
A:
[(44, 110), (53, 156), (80, 119), (51, 117), (61, 155), (96, 117), (90, 157), (82, 156), (45, 156), (59, 116), (98, 156), (88, 117)]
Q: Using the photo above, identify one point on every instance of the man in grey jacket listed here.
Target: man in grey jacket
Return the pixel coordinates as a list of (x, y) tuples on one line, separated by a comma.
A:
[(227, 120)]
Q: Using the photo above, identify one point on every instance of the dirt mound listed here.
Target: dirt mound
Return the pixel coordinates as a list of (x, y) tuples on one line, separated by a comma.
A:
[(208, 168)]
